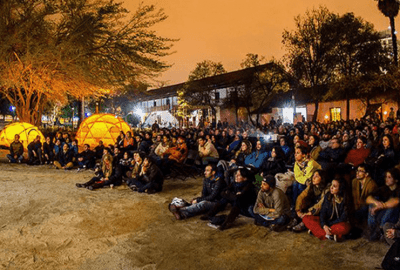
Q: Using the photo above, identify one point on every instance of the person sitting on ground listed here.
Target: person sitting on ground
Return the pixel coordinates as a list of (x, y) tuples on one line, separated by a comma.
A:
[(210, 195), (176, 154), (73, 147), (285, 148), (240, 155), (86, 158), (315, 148), (48, 153), (125, 163), (232, 148), (385, 158), (120, 140), (150, 179), (142, 145), (303, 171), (156, 141), (64, 159), (384, 204), (331, 156), (162, 147), (241, 194), (309, 202), (102, 176), (358, 155), (35, 152), (57, 148), (129, 142), (207, 152), (275, 163), (362, 187), (332, 222), (98, 150), (138, 158), (272, 208), (257, 157), (16, 150)]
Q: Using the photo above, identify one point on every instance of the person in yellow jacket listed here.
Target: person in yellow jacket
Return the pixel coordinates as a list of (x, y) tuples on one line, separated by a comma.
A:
[(304, 169)]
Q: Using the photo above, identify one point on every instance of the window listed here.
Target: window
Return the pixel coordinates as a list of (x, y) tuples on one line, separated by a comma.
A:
[(335, 114), (217, 96)]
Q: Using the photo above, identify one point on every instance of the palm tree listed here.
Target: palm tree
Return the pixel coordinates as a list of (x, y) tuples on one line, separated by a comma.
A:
[(390, 8)]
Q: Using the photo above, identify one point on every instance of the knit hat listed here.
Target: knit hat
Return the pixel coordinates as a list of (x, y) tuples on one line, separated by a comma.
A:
[(270, 180)]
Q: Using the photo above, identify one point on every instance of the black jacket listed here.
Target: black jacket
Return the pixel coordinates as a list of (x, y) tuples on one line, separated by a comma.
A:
[(211, 189)]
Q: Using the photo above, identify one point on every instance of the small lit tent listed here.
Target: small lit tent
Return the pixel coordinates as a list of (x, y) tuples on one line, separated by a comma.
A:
[(104, 127), (27, 132)]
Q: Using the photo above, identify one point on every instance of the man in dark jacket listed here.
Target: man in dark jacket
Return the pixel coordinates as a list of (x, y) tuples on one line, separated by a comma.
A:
[(35, 152), (86, 158), (16, 150), (332, 155), (212, 187)]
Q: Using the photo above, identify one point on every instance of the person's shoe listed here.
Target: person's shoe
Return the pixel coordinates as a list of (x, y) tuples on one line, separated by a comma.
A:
[(9, 160), (90, 188), (19, 161), (299, 227), (133, 187), (309, 232), (291, 224), (79, 185), (336, 238), (175, 211), (329, 237), (213, 226), (79, 169)]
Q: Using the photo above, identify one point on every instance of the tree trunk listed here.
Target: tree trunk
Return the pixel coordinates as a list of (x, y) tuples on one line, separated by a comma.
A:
[(316, 103), (394, 41)]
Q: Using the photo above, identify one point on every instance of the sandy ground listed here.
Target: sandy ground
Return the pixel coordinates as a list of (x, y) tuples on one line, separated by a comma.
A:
[(47, 223)]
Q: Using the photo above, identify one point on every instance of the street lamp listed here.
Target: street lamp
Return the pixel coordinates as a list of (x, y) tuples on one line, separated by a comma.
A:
[(97, 107), (73, 113)]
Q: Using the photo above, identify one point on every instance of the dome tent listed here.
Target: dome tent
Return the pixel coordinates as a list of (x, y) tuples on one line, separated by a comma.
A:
[(27, 132), (104, 127)]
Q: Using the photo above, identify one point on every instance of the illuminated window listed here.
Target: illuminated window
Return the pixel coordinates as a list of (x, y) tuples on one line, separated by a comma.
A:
[(335, 114)]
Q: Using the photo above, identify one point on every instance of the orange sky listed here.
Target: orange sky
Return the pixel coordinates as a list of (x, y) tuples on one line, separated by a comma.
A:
[(226, 30)]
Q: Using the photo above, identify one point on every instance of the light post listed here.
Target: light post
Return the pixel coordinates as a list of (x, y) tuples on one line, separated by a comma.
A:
[(97, 107), (73, 112)]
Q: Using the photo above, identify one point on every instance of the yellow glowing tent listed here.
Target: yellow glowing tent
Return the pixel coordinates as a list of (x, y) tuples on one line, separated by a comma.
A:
[(105, 127), (27, 132)]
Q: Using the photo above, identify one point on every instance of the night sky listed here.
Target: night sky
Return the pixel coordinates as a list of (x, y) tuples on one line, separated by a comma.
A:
[(226, 30)]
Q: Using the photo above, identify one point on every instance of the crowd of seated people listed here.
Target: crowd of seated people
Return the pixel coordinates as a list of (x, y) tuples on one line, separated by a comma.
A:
[(345, 175)]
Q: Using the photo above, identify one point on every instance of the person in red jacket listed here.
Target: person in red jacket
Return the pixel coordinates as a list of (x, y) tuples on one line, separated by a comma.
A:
[(358, 155)]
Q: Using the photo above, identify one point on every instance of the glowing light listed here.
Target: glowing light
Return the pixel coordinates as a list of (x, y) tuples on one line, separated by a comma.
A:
[(326, 116), (385, 112), (138, 111)]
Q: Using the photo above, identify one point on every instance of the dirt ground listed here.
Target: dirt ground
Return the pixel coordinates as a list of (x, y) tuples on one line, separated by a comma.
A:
[(48, 223)]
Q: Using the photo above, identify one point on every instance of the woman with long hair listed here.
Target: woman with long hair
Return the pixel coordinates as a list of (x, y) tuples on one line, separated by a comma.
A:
[(275, 163), (332, 222), (309, 202)]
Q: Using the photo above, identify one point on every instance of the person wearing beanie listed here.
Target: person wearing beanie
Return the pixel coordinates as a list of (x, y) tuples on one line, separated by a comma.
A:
[(272, 208)]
